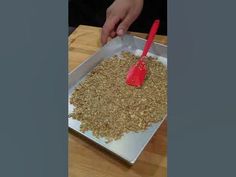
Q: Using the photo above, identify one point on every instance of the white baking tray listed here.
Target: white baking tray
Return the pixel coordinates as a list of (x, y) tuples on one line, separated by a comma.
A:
[(130, 146)]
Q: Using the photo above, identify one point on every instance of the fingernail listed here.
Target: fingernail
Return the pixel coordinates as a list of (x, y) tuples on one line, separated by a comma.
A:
[(121, 32)]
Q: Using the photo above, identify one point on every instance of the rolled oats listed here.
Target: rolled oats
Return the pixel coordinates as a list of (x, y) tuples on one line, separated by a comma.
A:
[(109, 107)]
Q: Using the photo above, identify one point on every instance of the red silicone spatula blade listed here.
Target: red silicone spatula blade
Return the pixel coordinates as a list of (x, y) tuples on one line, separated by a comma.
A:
[(137, 73)]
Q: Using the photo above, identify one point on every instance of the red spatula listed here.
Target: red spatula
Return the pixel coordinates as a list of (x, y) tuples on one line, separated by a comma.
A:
[(137, 73)]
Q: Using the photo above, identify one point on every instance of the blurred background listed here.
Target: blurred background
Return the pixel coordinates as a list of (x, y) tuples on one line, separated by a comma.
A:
[(93, 13)]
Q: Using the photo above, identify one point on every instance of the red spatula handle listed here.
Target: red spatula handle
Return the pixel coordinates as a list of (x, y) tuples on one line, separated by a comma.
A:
[(151, 36)]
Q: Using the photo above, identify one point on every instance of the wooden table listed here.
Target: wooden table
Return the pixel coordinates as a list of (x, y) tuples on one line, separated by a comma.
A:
[(89, 160)]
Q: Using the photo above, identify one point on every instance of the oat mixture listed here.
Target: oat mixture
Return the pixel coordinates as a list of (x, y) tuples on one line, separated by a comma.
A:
[(109, 107)]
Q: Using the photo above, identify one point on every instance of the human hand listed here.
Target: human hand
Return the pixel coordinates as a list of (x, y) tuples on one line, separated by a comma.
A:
[(119, 16)]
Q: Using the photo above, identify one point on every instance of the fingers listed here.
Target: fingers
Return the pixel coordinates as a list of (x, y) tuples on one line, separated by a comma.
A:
[(125, 24), (113, 34), (108, 28), (126, 11)]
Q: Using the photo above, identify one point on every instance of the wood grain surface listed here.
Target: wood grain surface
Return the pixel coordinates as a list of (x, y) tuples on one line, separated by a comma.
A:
[(86, 159)]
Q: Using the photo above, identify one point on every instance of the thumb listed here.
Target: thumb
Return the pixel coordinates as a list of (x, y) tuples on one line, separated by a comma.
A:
[(124, 25)]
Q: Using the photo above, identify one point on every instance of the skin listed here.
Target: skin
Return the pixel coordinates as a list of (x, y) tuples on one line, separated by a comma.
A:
[(119, 16)]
